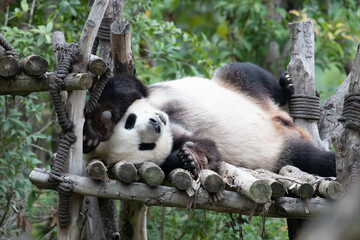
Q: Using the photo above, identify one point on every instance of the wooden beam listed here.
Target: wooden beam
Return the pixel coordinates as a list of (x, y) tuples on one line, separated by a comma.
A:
[(171, 197), (25, 84)]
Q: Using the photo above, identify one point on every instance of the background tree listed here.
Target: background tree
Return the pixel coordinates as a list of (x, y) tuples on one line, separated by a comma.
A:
[(170, 39)]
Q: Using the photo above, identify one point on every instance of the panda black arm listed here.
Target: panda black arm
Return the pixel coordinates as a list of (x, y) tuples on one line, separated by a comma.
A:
[(252, 80)]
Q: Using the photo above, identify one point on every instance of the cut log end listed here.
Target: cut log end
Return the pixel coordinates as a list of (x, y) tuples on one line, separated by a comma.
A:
[(334, 191), (180, 178), (260, 191), (34, 65), (97, 65), (97, 170), (278, 190), (305, 191), (151, 174), (9, 66), (211, 181), (125, 172)]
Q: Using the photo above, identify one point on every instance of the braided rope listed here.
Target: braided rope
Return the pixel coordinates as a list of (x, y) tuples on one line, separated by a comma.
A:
[(67, 54), (305, 107), (96, 93), (104, 29), (9, 50), (350, 117), (64, 189)]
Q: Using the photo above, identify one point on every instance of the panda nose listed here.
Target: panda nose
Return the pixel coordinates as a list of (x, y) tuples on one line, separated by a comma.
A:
[(156, 124)]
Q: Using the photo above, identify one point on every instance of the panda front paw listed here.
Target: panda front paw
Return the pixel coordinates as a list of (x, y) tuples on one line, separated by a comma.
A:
[(188, 158), (286, 82), (89, 143)]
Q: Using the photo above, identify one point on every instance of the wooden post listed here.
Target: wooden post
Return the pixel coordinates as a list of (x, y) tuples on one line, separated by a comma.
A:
[(75, 110), (121, 48), (330, 112), (301, 69), (347, 144)]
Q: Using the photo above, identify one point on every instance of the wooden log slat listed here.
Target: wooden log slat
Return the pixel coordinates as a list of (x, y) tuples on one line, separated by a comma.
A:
[(246, 184), (97, 65), (151, 174), (277, 188), (97, 170), (326, 187), (34, 65), (171, 197), (181, 178), (125, 171), (9, 66), (25, 84), (211, 181)]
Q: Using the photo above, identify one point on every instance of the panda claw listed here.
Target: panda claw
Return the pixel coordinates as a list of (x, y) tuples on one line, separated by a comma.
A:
[(189, 144)]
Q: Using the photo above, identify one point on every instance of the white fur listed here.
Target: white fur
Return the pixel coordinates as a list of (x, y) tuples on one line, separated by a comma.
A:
[(244, 132), (124, 143)]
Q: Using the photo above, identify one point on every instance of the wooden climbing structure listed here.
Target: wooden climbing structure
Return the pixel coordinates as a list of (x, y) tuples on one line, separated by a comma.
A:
[(291, 193)]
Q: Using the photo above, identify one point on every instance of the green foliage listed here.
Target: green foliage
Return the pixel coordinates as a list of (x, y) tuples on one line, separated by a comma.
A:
[(199, 224), (17, 118), (31, 33), (170, 39)]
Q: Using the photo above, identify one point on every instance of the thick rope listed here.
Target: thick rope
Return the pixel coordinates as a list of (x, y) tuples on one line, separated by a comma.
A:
[(9, 50), (64, 189), (104, 29), (305, 107), (350, 117), (67, 54), (96, 92)]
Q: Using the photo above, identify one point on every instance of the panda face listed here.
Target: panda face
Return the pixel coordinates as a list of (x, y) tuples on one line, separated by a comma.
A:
[(142, 134), (144, 123)]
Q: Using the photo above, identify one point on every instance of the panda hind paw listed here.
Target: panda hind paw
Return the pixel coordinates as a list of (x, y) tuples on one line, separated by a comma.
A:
[(188, 158)]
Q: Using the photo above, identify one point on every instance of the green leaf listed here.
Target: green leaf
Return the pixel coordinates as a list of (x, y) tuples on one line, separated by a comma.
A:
[(24, 6)]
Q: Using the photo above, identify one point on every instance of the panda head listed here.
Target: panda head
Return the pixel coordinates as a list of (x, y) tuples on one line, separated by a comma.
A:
[(125, 126), (142, 134)]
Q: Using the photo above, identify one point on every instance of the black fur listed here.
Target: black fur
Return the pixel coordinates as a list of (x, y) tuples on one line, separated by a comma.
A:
[(305, 156), (256, 82), (147, 146), (119, 93), (130, 121)]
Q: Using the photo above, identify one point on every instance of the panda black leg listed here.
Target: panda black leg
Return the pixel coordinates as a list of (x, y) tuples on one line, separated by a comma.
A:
[(255, 82)]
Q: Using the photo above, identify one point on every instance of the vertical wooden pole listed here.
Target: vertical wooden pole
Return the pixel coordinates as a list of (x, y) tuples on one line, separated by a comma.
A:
[(347, 144), (132, 222), (75, 110), (301, 69)]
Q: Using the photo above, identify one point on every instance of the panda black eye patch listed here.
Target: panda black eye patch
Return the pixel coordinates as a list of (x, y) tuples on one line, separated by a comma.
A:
[(146, 146), (130, 121)]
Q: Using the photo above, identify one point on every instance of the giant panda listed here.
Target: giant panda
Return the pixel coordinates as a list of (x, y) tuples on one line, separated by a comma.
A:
[(195, 123)]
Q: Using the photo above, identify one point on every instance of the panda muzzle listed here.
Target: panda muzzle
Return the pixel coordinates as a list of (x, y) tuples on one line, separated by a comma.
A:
[(156, 124)]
